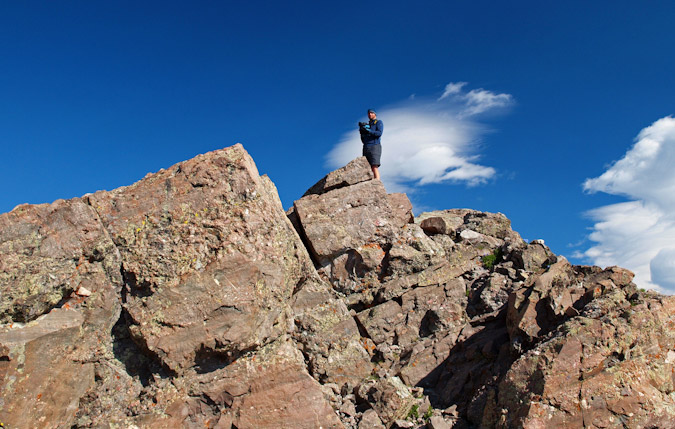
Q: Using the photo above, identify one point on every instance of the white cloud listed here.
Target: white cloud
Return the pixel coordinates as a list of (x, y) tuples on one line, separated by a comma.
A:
[(639, 234), (427, 141), (480, 100), (475, 101), (452, 88)]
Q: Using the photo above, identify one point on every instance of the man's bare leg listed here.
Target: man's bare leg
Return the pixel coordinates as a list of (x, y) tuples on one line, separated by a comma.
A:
[(376, 172)]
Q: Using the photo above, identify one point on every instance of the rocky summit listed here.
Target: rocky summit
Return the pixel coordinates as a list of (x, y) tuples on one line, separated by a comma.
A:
[(191, 299)]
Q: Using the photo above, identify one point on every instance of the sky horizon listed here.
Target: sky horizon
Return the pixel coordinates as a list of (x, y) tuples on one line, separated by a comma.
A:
[(559, 116)]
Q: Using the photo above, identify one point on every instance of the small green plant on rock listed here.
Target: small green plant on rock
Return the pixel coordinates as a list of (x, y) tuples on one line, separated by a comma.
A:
[(414, 413), (429, 413), (489, 261)]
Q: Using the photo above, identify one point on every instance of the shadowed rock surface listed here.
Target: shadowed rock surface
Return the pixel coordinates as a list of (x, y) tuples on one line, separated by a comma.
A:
[(191, 299)]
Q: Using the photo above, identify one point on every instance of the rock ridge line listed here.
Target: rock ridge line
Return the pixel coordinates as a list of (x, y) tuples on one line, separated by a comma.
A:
[(192, 299)]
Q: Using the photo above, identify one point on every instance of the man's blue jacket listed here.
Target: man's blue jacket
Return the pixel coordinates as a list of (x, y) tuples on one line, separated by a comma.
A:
[(372, 136)]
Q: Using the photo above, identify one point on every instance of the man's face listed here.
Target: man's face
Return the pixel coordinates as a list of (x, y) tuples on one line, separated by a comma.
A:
[(372, 115)]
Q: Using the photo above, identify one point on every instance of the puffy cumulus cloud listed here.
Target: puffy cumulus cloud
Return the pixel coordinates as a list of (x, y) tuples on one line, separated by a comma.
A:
[(646, 171), (429, 141), (630, 235), (639, 234)]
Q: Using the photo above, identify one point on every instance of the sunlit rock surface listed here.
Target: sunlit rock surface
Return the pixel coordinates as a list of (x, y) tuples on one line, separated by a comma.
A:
[(191, 299)]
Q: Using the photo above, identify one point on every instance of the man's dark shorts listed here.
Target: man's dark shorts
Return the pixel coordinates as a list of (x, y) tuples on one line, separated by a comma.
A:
[(372, 152)]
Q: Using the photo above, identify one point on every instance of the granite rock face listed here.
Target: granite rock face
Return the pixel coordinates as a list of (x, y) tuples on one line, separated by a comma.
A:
[(191, 299)]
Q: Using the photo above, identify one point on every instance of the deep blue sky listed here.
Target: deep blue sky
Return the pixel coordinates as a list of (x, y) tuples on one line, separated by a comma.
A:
[(97, 94)]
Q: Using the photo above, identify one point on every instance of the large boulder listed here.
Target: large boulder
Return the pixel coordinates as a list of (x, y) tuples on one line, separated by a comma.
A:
[(209, 258), (347, 210), (113, 303), (346, 218), (354, 172)]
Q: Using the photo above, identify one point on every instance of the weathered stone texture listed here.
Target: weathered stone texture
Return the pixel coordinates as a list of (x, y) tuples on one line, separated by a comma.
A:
[(354, 172), (329, 336), (268, 389), (610, 371), (49, 251), (209, 263), (389, 397), (43, 383), (346, 218), (209, 257), (189, 299)]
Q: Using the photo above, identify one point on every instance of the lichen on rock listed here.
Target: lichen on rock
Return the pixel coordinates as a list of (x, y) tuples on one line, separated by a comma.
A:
[(191, 299)]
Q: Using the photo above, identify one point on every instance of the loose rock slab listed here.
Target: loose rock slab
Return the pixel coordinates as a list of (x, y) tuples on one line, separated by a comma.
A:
[(346, 218)]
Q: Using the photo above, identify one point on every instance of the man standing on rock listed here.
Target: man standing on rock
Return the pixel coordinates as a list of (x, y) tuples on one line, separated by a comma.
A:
[(370, 137)]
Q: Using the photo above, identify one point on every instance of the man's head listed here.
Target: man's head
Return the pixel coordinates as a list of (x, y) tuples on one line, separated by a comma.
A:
[(371, 114)]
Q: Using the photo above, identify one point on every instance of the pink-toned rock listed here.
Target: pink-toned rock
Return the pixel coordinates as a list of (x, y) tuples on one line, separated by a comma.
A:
[(425, 364), (389, 397), (429, 311), (560, 292), (189, 300), (209, 257), (454, 221), (269, 389), (437, 274), (528, 316), (402, 208), (48, 251), (42, 377), (491, 224), (329, 335), (371, 420), (346, 218), (490, 293), (356, 171), (209, 261), (413, 251), (533, 257), (613, 371), (441, 224), (381, 321), (437, 422)]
